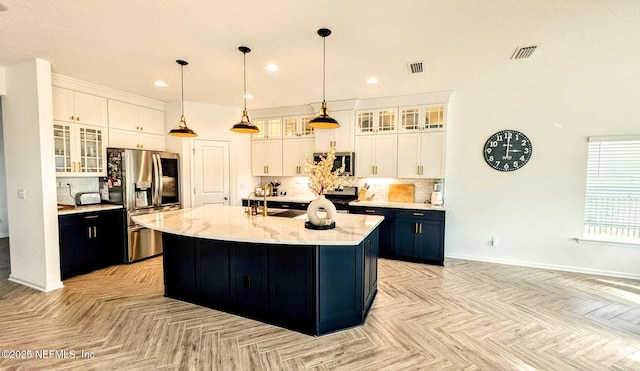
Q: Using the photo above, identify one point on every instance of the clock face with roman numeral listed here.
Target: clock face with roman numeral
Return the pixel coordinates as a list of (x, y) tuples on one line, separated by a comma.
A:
[(507, 150)]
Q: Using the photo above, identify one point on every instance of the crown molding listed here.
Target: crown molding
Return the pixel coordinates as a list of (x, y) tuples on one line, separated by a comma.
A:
[(66, 82)]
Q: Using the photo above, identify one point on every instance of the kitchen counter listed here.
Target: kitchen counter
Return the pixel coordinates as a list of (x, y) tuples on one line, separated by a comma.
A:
[(231, 223), (398, 205), (271, 268), (282, 199), (71, 209)]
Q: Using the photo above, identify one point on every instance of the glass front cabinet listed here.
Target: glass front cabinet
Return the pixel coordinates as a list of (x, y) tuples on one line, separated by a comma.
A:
[(79, 149), (422, 118), (377, 121)]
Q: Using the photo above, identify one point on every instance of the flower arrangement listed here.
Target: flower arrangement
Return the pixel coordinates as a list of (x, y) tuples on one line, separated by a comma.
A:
[(321, 178)]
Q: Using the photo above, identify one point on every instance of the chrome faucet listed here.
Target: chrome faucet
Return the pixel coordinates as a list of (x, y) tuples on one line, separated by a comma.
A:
[(264, 206)]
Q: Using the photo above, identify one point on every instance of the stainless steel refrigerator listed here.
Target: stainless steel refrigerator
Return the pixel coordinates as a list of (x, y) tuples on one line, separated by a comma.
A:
[(143, 182)]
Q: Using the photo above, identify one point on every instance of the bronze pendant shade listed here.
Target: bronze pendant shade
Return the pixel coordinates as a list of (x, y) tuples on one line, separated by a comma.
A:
[(182, 130), (323, 120), (245, 125)]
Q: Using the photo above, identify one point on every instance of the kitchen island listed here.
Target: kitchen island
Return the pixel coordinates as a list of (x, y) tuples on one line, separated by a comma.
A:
[(271, 268)]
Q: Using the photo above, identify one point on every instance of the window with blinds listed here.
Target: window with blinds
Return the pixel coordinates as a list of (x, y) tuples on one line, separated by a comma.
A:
[(612, 205)]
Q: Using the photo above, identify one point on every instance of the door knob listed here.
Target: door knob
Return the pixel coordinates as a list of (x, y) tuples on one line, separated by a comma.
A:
[(226, 198)]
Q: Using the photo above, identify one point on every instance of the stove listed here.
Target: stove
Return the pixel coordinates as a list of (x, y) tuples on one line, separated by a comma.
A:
[(342, 197)]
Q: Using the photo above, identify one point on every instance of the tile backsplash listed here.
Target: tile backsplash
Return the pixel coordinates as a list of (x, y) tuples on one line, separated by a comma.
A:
[(66, 195), (378, 187)]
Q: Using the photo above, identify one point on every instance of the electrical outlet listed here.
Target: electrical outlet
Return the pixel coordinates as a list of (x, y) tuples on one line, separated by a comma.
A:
[(494, 241), (418, 184), (22, 194)]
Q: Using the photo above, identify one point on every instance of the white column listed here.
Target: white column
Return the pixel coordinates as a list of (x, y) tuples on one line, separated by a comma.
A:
[(30, 169)]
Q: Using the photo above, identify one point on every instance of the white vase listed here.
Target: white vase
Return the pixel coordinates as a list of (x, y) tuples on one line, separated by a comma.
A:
[(328, 206)]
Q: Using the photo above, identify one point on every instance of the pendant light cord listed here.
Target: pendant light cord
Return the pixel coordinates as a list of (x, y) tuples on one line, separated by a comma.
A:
[(182, 89), (244, 68), (324, 62)]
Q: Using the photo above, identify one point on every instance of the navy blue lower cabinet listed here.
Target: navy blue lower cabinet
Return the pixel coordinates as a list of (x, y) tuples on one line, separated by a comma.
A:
[(386, 238), (430, 241), (212, 271), (419, 236), (179, 262), (306, 288), (249, 282), (406, 237), (291, 286)]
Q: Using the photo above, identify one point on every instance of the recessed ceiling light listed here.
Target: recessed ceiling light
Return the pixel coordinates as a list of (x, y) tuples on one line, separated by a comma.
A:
[(248, 96), (3, 7), (161, 84), (372, 80), (272, 67)]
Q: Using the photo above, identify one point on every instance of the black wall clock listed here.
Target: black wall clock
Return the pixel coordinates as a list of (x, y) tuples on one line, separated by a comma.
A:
[(507, 150)]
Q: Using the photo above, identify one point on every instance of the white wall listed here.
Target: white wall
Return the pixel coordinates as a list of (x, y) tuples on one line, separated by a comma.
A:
[(4, 215), (212, 121), (28, 138), (536, 211)]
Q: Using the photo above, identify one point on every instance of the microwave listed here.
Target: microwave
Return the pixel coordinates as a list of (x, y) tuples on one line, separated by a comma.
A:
[(348, 159)]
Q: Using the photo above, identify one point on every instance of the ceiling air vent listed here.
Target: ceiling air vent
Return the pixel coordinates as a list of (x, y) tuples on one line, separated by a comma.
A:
[(524, 52), (415, 67)]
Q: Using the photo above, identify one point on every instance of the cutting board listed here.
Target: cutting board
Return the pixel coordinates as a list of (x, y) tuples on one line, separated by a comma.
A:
[(401, 192)]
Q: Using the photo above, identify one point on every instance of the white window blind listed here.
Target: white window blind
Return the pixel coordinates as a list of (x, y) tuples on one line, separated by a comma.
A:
[(612, 205)]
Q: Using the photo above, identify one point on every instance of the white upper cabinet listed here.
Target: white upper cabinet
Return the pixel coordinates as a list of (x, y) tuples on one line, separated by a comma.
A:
[(341, 138), (422, 118), (377, 121), (266, 157), (270, 128), (132, 126), (80, 108), (79, 149), (421, 155), (294, 153), (376, 155), (296, 127)]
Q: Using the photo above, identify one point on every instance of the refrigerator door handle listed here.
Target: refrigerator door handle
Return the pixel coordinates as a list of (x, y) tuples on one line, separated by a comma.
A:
[(160, 176), (156, 200)]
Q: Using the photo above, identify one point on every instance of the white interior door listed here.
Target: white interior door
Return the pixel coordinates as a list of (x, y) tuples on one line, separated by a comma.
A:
[(212, 177)]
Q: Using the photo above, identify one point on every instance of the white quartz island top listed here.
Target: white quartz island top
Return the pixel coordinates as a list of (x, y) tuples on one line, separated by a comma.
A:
[(231, 223)]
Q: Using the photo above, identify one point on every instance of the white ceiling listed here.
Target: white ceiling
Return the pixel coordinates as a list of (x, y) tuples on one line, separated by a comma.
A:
[(128, 44)]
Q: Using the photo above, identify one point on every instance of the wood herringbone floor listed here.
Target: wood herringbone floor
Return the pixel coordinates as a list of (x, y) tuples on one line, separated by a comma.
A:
[(468, 315)]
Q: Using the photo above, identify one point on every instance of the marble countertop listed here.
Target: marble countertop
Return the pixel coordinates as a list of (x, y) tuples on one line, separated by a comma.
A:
[(87, 208), (398, 205), (387, 204), (230, 223)]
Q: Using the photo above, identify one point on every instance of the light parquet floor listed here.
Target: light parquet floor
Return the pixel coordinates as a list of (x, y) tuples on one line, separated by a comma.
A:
[(468, 315)]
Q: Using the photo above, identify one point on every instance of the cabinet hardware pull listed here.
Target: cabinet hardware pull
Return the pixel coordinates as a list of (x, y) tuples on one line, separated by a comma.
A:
[(89, 231), (418, 214), (369, 211), (416, 225), (420, 228), (418, 170), (264, 169), (421, 170), (267, 169), (95, 231), (92, 217), (284, 206), (78, 118), (141, 128), (73, 118)]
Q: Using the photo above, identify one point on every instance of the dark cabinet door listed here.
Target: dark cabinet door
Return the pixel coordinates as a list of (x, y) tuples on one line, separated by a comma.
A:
[(73, 246), (405, 241), (370, 277), (249, 276), (212, 271), (430, 241), (291, 272), (109, 235), (179, 266)]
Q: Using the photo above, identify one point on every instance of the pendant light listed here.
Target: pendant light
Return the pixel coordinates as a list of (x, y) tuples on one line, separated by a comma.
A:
[(182, 130), (323, 120), (245, 126)]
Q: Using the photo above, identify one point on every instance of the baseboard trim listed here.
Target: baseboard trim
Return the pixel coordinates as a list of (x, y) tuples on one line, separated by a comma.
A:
[(47, 288), (564, 268)]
